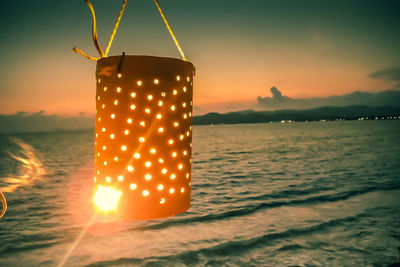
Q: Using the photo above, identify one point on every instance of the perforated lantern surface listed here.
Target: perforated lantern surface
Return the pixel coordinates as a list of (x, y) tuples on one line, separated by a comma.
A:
[(143, 134)]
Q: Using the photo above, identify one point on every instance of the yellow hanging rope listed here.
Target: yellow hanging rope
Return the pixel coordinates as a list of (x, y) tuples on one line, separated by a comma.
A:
[(170, 30), (96, 41), (4, 203), (116, 27)]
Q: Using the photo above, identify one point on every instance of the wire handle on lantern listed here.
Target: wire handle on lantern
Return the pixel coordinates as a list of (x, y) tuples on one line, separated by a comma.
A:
[(4, 203), (96, 41)]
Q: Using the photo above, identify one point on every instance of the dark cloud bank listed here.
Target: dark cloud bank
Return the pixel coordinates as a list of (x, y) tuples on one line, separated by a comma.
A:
[(279, 101), (40, 122)]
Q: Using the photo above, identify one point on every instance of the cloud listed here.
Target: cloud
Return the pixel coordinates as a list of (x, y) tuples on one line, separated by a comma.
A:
[(41, 122), (280, 101), (390, 75)]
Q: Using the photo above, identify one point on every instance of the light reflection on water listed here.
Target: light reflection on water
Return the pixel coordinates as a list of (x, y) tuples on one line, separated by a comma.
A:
[(310, 194)]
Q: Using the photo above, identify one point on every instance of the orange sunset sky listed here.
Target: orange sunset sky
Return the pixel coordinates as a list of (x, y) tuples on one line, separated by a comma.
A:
[(240, 49)]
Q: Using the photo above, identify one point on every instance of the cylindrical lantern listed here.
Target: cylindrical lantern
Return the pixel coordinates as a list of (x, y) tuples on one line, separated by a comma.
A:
[(143, 136)]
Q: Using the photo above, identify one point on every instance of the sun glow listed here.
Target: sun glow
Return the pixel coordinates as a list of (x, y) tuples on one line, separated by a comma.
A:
[(107, 198)]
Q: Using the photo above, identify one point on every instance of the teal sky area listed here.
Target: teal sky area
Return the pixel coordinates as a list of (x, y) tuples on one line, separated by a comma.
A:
[(240, 49)]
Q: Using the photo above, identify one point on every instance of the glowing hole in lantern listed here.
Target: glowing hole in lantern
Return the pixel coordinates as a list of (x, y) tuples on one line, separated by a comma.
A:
[(159, 116), (120, 178), (139, 83), (103, 106), (185, 152), (108, 179), (153, 151), (147, 177), (105, 89), (162, 201), (99, 119), (130, 168), (147, 164), (145, 193), (132, 186), (142, 123), (126, 132), (104, 147), (160, 160), (175, 92), (184, 104), (173, 107), (141, 139), (116, 159), (185, 116), (182, 190), (133, 107), (181, 136), (98, 97), (129, 120), (176, 124), (136, 156), (164, 171), (160, 103), (184, 89), (160, 187), (103, 130), (105, 163), (174, 154), (150, 97), (119, 75), (95, 179), (99, 80), (112, 136), (161, 130), (163, 94), (133, 94), (170, 141), (188, 79), (190, 114), (156, 81), (187, 175), (180, 166), (119, 89), (187, 133), (115, 102), (178, 78), (112, 116), (172, 176), (147, 110), (106, 198), (98, 154), (171, 190), (124, 148)]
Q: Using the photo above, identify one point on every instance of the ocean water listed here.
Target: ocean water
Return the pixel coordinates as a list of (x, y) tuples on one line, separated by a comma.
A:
[(298, 194)]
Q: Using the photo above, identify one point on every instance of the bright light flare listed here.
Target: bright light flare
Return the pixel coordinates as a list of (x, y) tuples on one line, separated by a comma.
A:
[(107, 198)]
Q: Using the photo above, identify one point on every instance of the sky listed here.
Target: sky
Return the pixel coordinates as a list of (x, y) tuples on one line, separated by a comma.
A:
[(241, 49)]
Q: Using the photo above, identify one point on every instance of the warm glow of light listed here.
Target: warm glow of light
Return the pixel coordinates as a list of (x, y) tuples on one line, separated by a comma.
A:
[(139, 83), (153, 151), (126, 132), (150, 97), (163, 94), (105, 88), (160, 160), (156, 81), (160, 187), (119, 89), (174, 154), (115, 102), (112, 116), (173, 107), (160, 103), (136, 156), (185, 152), (145, 193), (184, 104), (133, 107), (172, 176), (112, 136), (132, 186), (159, 116), (162, 201), (119, 75), (130, 168), (129, 121), (147, 110), (171, 190), (108, 179), (107, 198), (120, 178), (170, 141), (123, 148), (164, 171), (147, 177), (178, 78), (103, 130), (184, 89), (116, 159), (104, 147), (175, 92), (180, 166), (181, 136), (147, 164), (133, 94), (176, 124), (161, 130), (182, 190), (141, 139), (142, 123)]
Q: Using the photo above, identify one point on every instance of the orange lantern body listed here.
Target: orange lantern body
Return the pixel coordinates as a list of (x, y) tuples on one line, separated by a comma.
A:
[(143, 136)]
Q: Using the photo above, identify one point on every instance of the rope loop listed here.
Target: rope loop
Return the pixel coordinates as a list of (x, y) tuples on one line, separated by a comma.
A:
[(96, 41), (4, 203)]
